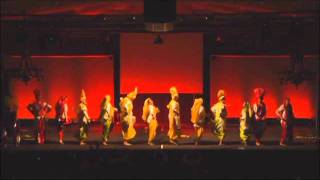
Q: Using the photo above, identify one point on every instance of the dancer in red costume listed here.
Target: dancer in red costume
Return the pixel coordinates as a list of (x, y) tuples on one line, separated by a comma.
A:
[(286, 115), (61, 116), (39, 109), (260, 112)]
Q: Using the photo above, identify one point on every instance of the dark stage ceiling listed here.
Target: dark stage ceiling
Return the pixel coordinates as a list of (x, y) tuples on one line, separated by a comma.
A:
[(239, 23), (127, 15), (135, 7)]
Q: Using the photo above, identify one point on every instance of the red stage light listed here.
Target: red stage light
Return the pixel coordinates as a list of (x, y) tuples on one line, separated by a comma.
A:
[(240, 74), (154, 68), (67, 75)]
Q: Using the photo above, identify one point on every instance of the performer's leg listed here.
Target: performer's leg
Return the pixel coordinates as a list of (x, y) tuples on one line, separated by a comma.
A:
[(126, 137), (83, 133), (16, 134), (242, 136), (60, 131), (36, 130), (172, 130), (153, 125), (61, 135), (126, 131), (104, 131), (283, 133), (107, 128), (178, 128), (243, 133), (259, 130), (199, 133), (41, 130), (290, 132), (196, 140), (222, 136), (104, 134), (263, 129), (220, 130), (131, 132), (86, 128), (178, 125)]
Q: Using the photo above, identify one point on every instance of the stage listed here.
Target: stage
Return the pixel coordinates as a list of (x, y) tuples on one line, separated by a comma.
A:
[(185, 160), (304, 137), (69, 59)]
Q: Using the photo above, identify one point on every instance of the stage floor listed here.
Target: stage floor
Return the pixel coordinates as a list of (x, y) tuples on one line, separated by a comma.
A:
[(207, 160), (304, 138)]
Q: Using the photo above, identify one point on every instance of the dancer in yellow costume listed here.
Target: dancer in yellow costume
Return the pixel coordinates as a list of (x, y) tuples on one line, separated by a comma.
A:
[(246, 119), (83, 118), (127, 119), (150, 116), (198, 116), (219, 111), (107, 118), (174, 117)]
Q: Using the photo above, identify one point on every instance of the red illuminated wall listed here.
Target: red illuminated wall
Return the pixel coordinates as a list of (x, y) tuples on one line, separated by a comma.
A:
[(66, 76), (239, 75), (155, 68)]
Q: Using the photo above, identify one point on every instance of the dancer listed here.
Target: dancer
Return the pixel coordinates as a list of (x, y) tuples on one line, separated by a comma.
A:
[(286, 115), (219, 111), (150, 116), (83, 118), (61, 116), (198, 117), (246, 118), (107, 118), (11, 124), (260, 112), (39, 109), (127, 119), (174, 116)]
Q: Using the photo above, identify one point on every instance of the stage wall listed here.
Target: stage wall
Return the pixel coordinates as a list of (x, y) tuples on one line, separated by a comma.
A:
[(239, 75), (154, 68), (66, 75)]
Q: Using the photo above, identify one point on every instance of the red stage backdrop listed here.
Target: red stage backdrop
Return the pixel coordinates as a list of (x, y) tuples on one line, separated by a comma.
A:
[(154, 68), (66, 75), (239, 75)]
